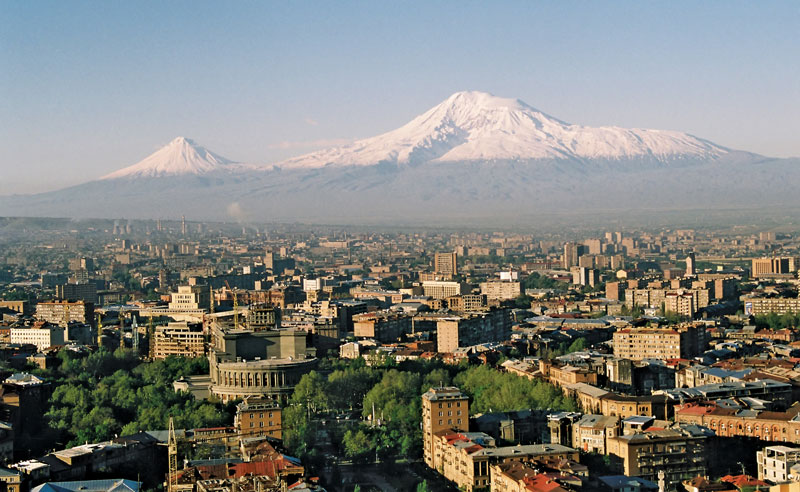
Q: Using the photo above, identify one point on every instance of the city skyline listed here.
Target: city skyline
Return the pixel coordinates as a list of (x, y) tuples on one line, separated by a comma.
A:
[(261, 83)]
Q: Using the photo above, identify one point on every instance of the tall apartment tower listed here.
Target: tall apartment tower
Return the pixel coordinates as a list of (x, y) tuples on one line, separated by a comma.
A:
[(445, 264), (572, 252), (183, 225), (691, 265), (443, 408)]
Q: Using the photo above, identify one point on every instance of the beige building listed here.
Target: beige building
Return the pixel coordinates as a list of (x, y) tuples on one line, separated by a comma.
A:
[(191, 297), (685, 341), (466, 458), (180, 339), (384, 326), (57, 312), (445, 264), (764, 267), (443, 408), (440, 289), (472, 329), (754, 306), (591, 432), (680, 454), (500, 289), (259, 417)]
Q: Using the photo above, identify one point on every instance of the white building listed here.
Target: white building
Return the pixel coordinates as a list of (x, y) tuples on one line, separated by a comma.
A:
[(40, 334), (775, 463), (190, 297)]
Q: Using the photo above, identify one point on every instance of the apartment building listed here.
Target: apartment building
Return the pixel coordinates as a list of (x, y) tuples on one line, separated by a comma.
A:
[(679, 453), (466, 458), (443, 408), (591, 432), (754, 306), (384, 326), (58, 312), (685, 341), (445, 264), (180, 339), (259, 417), (775, 463), (472, 329)]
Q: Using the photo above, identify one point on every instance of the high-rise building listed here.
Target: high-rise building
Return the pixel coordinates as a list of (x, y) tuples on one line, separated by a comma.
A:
[(445, 264), (691, 265), (572, 252), (443, 408)]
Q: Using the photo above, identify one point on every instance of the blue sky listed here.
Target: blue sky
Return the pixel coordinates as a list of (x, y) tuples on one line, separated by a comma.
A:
[(90, 87)]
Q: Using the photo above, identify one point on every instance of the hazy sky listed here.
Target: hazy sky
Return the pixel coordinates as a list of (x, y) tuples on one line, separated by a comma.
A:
[(90, 87)]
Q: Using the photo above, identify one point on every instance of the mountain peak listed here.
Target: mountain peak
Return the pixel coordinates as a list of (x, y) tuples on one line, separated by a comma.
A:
[(181, 156), (478, 126)]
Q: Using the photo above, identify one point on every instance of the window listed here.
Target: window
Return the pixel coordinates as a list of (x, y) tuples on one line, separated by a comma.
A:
[(261, 424), (252, 424), (441, 413)]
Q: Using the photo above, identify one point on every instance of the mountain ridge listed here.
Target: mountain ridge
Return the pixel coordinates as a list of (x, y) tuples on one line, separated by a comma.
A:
[(472, 125)]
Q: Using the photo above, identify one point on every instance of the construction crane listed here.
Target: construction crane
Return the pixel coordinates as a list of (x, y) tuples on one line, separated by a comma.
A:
[(235, 307), (99, 331), (135, 333), (151, 341), (121, 328), (172, 451)]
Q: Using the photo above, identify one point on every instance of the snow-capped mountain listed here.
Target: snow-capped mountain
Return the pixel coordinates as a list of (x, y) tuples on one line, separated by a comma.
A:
[(181, 156), (477, 126), (475, 158)]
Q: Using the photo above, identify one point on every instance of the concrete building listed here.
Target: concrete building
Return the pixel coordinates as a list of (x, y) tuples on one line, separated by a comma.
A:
[(83, 291), (679, 453), (691, 265), (180, 339), (754, 306), (445, 264), (685, 341), (472, 329), (766, 267), (384, 326), (499, 289), (191, 297), (440, 289), (775, 463), (266, 363), (443, 408), (59, 312), (41, 334)]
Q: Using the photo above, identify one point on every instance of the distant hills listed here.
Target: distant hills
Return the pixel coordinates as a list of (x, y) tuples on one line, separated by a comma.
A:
[(474, 157)]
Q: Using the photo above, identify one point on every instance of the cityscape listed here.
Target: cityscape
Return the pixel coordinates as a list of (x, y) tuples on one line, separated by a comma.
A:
[(380, 281)]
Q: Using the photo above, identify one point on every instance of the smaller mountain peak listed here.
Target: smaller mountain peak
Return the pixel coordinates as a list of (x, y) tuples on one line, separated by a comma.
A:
[(181, 156)]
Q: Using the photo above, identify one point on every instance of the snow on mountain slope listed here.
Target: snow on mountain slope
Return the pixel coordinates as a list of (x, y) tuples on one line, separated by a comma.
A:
[(477, 126), (182, 156)]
